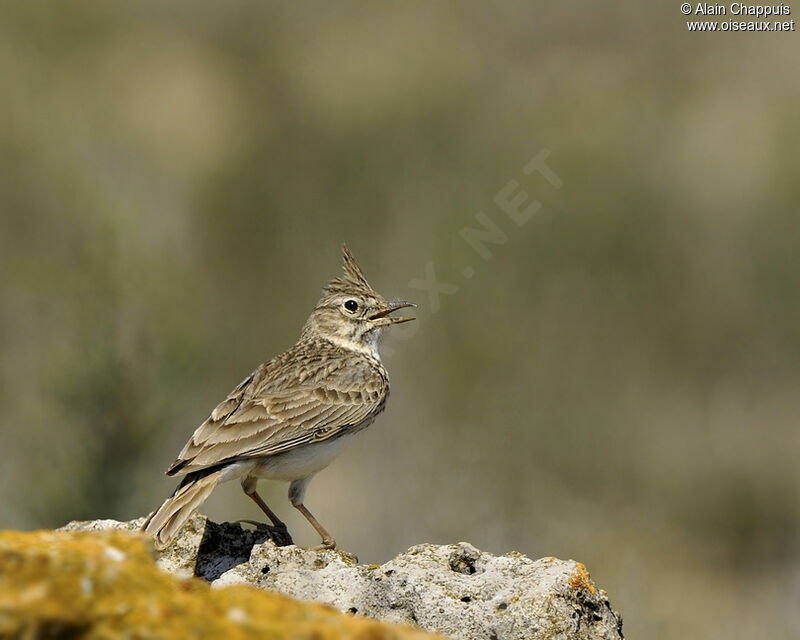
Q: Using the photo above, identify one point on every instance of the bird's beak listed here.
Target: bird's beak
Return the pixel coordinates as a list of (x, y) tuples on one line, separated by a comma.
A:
[(382, 319)]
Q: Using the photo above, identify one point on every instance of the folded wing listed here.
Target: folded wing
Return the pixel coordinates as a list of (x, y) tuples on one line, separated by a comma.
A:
[(259, 419)]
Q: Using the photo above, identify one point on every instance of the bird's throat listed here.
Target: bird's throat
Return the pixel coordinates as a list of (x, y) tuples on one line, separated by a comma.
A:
[(368, 347)]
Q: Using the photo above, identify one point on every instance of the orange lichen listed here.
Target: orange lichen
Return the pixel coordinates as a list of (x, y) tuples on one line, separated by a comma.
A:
[(105, 584), (581, 580)]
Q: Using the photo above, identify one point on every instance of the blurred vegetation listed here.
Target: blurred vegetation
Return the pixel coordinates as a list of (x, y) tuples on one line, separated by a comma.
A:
[(617, 383)]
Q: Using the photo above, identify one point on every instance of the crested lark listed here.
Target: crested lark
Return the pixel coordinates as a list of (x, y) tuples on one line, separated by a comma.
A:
[(289, 418)]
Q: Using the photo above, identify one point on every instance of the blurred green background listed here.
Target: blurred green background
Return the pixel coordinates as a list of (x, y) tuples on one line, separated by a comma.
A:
[(617, 383)]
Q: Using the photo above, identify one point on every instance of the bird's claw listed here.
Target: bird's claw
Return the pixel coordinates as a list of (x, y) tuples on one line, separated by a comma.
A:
[(330, 545), (278, 533)]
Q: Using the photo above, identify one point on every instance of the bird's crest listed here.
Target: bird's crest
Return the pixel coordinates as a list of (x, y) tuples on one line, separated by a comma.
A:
[(352, 277)]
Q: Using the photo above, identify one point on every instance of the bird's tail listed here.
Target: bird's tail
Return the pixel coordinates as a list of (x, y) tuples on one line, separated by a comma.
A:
[(165, 523)]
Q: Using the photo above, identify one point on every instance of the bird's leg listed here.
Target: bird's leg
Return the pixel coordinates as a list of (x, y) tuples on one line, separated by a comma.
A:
[(297, 491), (249, 487), (327, 540)]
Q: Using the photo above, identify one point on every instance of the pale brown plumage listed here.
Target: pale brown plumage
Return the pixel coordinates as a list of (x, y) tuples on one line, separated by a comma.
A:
[(288, 418), (314, 391)]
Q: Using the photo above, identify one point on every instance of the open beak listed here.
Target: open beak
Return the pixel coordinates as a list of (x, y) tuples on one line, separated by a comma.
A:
[(382, 319)]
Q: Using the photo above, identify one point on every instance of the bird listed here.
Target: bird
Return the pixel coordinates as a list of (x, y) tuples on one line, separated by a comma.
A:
[(292, 415)]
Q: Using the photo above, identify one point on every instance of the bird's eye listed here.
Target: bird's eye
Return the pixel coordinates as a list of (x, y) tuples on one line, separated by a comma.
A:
[(351, 305)]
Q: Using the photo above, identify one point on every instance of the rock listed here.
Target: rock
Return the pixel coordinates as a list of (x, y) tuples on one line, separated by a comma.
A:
[(455, 590), (204, 548), (104, 584)]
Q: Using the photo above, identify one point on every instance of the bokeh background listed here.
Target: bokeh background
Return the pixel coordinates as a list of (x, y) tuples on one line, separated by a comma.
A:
[(617, 383)]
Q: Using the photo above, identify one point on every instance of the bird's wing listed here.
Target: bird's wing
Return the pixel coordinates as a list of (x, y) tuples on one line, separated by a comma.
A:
[(262, 418)]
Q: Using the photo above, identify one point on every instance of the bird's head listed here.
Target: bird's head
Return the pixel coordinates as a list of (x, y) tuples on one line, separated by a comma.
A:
[(351, 313)]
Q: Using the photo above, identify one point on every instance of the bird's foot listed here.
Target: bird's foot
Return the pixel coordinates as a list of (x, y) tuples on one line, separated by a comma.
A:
[(278, 532), (281, 535), (329, 544)]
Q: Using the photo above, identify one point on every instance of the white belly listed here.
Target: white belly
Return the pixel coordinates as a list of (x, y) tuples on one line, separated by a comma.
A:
[(301, 462)]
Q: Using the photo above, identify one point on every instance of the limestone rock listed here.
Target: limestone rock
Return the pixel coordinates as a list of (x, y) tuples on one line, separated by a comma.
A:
[(455, 590), (104, 584)]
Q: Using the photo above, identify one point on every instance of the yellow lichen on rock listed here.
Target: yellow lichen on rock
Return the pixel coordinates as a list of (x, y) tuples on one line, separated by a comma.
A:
[(105, 584), (581, 580)]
